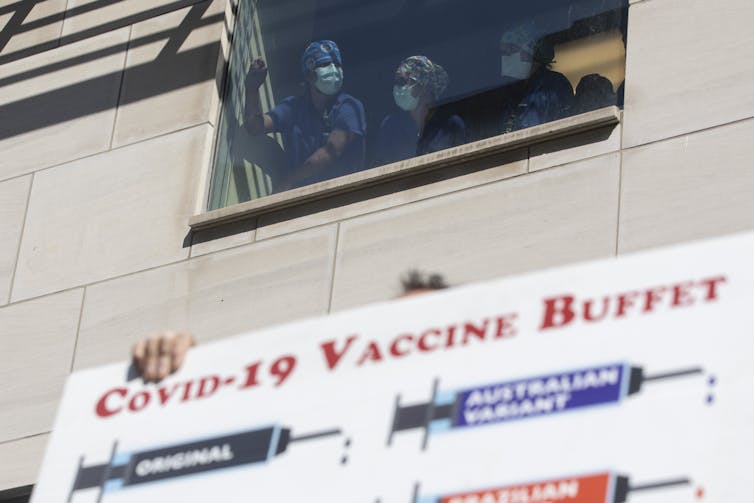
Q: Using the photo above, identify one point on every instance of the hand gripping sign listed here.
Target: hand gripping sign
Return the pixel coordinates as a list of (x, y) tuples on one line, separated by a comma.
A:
[(605, 487), (525, 398), (126, 469)]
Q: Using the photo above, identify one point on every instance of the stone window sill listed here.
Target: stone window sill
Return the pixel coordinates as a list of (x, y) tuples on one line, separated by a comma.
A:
[(443, 159)]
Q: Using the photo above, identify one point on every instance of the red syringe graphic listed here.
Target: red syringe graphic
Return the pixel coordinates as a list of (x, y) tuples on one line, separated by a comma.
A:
[(603, 487), (525, 398)]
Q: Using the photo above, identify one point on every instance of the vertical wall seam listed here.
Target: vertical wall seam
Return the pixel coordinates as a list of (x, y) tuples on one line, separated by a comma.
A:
[(332, 273), (120, 86), (24, 223), (528, 159), (62, 24), (620, 192), (255, 231), (78, 329)]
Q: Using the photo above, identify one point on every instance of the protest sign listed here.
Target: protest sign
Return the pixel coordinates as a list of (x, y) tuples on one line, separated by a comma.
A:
[(623, 380)]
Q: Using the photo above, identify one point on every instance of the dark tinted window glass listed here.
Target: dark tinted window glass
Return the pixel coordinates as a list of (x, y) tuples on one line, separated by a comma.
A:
[(393, 79)]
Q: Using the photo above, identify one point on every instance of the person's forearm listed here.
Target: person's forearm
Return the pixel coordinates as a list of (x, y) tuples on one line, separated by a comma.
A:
[(316, 164), (254, 118)]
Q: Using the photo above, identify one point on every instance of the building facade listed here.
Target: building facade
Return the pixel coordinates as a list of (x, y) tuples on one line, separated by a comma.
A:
[(108, 118)]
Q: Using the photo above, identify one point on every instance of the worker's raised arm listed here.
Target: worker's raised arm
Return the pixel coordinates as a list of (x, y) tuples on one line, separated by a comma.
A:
[(255, 121)]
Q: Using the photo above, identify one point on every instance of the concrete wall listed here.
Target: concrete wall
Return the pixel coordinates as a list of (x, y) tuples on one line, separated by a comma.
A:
[(106, 127)]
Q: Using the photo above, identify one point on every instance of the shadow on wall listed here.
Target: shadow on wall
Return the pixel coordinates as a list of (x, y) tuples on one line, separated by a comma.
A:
[(169, 71)]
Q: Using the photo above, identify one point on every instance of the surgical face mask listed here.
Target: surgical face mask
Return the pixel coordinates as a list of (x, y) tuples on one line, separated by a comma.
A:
[(404, 98), (514, 68), (329, 79)]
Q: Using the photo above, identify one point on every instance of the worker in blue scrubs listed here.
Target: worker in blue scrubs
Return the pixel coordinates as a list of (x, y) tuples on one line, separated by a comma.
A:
[(533, 94), (418, 127), (323, 129)]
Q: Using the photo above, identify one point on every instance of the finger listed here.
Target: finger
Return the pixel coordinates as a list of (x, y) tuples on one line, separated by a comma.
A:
[(166, 343), (138, 355), (152, 356), (183, 342)]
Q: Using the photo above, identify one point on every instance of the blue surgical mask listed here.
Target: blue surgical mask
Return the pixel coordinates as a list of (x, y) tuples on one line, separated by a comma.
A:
[(329, 79), (405, 98), (514, 67)]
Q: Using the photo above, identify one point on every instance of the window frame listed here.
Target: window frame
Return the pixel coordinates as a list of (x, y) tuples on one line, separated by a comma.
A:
[(481, 149), (207, 219)]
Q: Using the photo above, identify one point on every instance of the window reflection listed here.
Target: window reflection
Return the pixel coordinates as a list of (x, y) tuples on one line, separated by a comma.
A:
[(318, 89)]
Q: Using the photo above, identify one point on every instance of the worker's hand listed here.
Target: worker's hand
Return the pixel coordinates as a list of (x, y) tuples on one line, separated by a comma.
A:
[(162, 354), (257, 73)]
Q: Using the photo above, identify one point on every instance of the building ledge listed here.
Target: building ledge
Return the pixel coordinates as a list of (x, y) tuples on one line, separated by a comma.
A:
[(446, 158)]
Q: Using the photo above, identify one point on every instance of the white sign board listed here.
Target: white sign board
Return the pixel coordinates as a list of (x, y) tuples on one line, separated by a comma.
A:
[(626, 380)]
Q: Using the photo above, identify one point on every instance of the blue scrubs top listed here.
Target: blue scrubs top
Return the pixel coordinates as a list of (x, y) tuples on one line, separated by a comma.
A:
[(399, 136), (305, 130), (548, 97)]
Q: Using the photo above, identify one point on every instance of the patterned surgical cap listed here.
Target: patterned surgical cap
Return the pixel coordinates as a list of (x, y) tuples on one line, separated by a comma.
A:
[(427, 74), (318, 53)]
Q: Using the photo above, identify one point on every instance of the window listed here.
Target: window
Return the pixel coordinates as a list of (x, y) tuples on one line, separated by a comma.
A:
[(393, 79)]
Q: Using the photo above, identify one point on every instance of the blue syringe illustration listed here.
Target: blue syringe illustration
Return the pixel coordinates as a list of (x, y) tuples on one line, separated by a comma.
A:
[(125, 469), (525, 398)]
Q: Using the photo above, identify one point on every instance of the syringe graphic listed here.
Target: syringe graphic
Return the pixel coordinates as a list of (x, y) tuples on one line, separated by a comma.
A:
[(131, 468), (605, 487), (525, 398)]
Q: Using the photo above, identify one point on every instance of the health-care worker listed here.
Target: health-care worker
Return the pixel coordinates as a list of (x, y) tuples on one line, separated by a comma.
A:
[(534, 94), (323, 129), (417, 128)]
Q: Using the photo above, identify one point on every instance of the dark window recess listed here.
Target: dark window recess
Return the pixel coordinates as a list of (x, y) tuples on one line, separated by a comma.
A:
[(16, 495), (393, 79)]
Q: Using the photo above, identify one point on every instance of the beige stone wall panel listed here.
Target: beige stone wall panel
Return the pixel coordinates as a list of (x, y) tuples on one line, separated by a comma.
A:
[(85, 16), (391, 194), (574, 148), (688, 188), (13, 196), (36, 343), (213, 296), (215, 240), (60, 105), (688, 67), (111, 214), (529, 222), (169, 83), (20, 461), (29, 26)]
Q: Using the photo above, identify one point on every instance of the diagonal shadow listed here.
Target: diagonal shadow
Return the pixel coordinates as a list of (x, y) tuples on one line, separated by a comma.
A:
[(12, 7), (15, 23), (66, 14), (90, 32), (181, 32), (97, 94), (102, 53)]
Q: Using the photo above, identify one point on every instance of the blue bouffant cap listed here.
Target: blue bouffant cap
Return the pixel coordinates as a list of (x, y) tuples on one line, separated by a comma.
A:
[(318, 53)]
